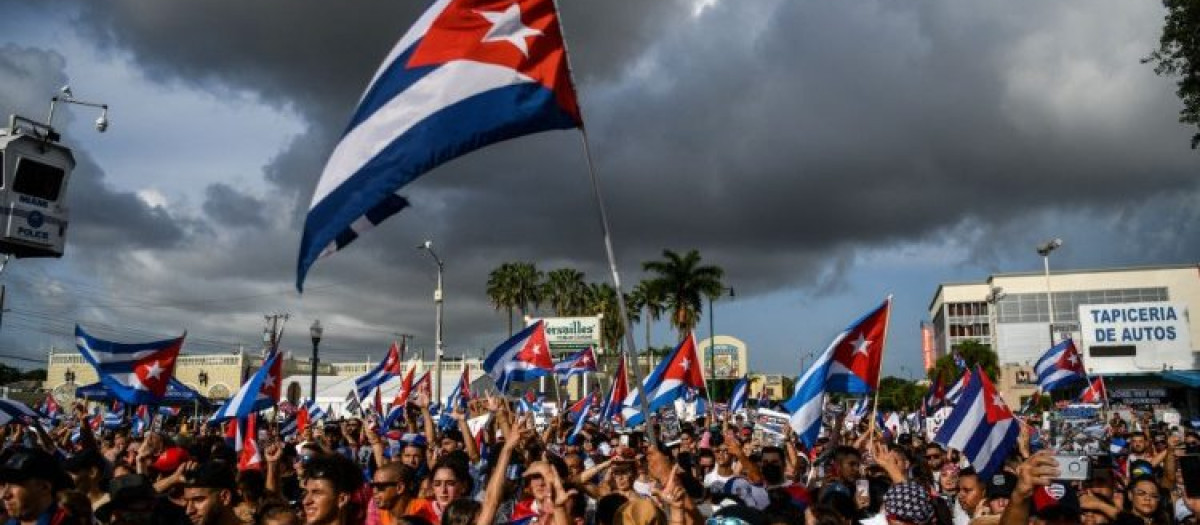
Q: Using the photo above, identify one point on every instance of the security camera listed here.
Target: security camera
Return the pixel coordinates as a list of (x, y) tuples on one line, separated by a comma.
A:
[(426, 245), (102, 124), (66, 92), (1056, 242)]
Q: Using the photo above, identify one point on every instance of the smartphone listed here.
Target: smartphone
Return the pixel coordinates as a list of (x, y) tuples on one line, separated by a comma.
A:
[(1073, 467), (1189, 466), (623, 440), (862, 488)]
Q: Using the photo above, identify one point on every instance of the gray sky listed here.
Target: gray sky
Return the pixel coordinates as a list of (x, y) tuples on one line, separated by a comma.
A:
[(824, 153)]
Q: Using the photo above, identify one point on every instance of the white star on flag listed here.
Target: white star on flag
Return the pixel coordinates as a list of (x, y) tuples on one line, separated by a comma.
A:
[(861, 345), (153, 370), (997, 400), (537, 349), (685, 364), (507, 27)]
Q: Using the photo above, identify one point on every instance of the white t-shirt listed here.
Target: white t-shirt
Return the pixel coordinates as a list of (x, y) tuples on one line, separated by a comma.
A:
[(714, 478)]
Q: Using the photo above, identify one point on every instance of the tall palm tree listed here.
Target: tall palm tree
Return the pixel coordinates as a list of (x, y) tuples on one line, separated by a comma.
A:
[(602, 299), (683, 283), (645, 305), (565, 290), (500, 291), (526, 283)]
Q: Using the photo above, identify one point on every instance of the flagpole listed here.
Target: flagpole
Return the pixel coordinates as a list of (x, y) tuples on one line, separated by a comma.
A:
[(887, 323), (602, 215)]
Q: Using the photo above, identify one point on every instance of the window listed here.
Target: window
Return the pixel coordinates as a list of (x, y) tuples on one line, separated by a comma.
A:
[(37, 179)]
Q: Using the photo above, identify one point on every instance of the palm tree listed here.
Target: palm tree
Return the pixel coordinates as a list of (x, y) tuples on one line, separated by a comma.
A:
[(565, 290), (526, 284), (602, 299), (500, 291), (645, 306), (682, 284)]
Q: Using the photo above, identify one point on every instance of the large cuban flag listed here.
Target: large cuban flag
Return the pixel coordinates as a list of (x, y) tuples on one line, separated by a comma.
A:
[(388, 368), (737, 400), (522, 357), (137, 373), (669, 381), (467, 74), (981, 426), (849, 364)]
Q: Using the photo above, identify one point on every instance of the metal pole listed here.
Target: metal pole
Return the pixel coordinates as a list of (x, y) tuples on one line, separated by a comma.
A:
[(437, 299), (712, 343), (1049, 295), (312, 372)]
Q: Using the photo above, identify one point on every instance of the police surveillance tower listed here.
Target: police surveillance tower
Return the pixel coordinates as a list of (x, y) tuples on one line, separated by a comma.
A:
[(34, 171)]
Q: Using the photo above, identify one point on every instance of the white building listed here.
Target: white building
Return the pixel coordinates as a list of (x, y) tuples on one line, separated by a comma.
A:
[(1132, 325)]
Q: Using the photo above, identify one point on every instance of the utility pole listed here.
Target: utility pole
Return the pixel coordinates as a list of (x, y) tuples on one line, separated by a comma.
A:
[(273, 330)]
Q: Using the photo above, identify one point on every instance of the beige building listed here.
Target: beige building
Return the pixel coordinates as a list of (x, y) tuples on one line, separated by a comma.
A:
[(1133, 326), (218, 376)]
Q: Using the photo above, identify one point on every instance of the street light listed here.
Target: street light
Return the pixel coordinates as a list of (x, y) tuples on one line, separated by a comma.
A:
[(69, 376), (712, 337), (202, 378), (316, 331), (437, 302), (1044, 250)]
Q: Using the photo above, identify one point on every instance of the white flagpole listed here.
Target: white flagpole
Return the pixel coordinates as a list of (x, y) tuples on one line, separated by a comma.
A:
[(623, 310)]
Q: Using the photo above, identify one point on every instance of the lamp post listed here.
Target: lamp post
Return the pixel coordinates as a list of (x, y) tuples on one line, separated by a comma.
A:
[(69, 376), (712, 338), (437, 302), (316, 331), (202, 378), (1044, 250)]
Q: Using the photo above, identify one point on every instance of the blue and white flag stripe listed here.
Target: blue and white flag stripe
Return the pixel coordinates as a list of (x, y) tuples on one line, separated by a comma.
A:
[(376, 377), (15, 410), (1050, 375), (504, 367), (737, 400), (315, 411), (966, 429), (246, 399), (807, 403)]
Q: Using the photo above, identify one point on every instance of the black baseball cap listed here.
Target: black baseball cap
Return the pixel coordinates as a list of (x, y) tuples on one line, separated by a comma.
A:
[(1001, 485), (211, 475), (25, 463), (83, 460), (131, 491)]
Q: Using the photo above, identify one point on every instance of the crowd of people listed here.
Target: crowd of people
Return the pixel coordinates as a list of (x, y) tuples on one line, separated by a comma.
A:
[(716, 470)]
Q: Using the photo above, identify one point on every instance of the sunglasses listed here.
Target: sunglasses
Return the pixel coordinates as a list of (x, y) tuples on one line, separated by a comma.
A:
[(381, 485)]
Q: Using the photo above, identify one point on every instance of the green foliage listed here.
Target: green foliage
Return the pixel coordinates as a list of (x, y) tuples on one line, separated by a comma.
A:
[(974, 353), (683, 283), (514, 285), (566, 291), (900, 394), (10, 374), (1178, 55)]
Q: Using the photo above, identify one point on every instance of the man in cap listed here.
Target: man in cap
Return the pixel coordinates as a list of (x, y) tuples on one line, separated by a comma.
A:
[(31, 480), (999, 491), (132, 500), (208, 495), (87, 471)]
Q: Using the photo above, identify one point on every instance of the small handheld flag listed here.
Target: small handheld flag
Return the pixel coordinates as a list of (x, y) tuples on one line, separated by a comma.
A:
[(1059, 367), (522, 357)]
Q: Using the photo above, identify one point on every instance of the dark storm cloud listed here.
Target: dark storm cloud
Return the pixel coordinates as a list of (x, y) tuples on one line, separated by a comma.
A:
[(229, 207), (779, 140)]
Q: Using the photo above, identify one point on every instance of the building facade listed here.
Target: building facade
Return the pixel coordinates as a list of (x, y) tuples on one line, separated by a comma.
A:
[(1132, 325)]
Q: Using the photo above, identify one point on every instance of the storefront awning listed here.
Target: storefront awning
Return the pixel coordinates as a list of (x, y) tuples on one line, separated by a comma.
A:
[(1187, 377)]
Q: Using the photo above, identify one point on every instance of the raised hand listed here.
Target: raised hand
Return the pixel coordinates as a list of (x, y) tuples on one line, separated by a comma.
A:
[(1037, 471), (273, 453)]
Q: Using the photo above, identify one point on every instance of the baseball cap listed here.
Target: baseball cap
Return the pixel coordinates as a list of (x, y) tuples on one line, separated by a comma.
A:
[(170, 459), (125, 492), (25, 463), (83, 460), (1055, 501), (1141, 467), (212, 475), (1001, 485), (908, 502)]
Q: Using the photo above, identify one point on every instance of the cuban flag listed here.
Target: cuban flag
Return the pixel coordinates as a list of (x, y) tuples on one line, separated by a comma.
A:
[(376, 377), (580, 412), (959, 362), (669, 381), (289, 427), (467, 74), (849, 364), (981, 426), (315, 412), (113, 420), (522, 357), (1060, 366), (579, 363), (1031, 402), (935, 398), (1116, 446), (247, 444), (51, 407), (141, 420), (251, 397), (737, 400), (956, 391), (1095, 392), (457, 398), (136, 373), (859, 410)]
